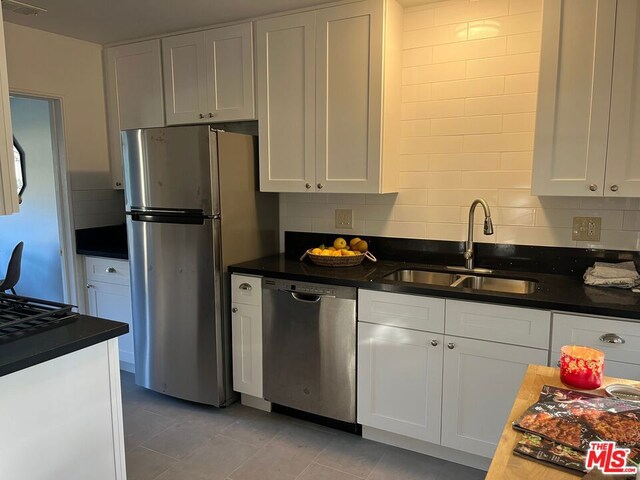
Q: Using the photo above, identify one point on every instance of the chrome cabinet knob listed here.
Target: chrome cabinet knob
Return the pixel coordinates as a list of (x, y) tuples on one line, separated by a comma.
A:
[(614, 188), (451, 345), (234, 309), (118, 184), (308, 186), (558, 363), (111, 270), (211, 115), (201, 115), (320, 186), (90, 286), (434, 343), (612, 338), (593, 187)]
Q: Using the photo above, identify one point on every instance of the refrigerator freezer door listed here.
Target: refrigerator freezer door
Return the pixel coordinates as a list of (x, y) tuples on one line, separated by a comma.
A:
[(177, 308), (171, 168)]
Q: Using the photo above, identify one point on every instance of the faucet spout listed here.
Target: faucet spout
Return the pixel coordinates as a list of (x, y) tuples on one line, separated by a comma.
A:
[(488, 229)]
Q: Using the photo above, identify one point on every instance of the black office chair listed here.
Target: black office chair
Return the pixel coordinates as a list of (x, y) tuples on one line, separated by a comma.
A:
[(13, 270)]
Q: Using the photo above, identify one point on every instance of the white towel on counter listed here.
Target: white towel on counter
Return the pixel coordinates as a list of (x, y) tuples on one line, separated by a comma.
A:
[(621, 275)]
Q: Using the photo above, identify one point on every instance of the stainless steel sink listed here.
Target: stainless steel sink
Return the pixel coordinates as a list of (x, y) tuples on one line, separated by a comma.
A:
[(461, 280), (496, 284), (423, 276)]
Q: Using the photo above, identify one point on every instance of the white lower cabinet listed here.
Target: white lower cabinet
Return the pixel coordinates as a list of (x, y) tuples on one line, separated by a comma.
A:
[(109, 296), (480, 382), (400, 380), (246, 334)]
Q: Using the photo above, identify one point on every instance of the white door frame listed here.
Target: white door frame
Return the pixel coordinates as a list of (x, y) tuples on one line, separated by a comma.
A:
[(71, 268)]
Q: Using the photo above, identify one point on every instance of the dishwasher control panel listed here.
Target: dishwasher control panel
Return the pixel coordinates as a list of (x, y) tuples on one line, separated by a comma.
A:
[(302, 287)]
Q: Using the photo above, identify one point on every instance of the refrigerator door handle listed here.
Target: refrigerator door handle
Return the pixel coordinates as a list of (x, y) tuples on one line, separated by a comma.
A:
[(167, 218)]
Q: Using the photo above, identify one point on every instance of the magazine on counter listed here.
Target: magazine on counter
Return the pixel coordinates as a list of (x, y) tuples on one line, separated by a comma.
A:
[(559, 427)]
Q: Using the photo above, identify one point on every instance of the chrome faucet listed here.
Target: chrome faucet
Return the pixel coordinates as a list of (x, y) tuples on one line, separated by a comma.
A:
[(488, 229)]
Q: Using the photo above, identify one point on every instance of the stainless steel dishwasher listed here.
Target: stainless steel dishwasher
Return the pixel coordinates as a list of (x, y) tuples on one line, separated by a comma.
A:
[(309, 347)]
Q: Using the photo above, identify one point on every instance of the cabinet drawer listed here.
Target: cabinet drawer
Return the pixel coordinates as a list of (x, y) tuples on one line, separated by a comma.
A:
[(497, 323), (107, 270), (400, 310), (246, 289), (580, 330), (629, 371)]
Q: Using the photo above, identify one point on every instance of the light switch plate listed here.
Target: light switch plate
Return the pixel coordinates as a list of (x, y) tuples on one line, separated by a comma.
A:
[(344, 218), (587, 229)]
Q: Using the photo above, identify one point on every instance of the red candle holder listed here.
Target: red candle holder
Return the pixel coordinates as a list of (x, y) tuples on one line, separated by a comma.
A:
[(581, 367)]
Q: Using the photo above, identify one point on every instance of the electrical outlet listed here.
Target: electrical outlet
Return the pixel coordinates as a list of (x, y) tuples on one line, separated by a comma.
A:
[(344, 218), (587, 229)]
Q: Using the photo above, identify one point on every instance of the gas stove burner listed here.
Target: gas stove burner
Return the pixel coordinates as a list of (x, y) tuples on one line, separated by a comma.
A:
[(23, 316)]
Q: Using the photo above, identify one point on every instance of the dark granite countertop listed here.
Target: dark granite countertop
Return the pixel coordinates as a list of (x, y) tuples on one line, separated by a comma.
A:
[(109, 241), (67, 337), (553, 292)]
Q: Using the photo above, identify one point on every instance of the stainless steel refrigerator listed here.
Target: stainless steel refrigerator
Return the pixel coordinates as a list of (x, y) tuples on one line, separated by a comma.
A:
[(192, 209)]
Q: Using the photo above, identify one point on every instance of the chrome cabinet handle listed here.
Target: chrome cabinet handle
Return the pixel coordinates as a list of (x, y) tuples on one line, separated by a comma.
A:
[(90, 286), (308, 186), (593, 187), (201, 115), (451, 345), (234, 309), (320, 186), (245, 286), (614, 188), (118, 184), (211, 115), (612, 338), (434, 342), (111, 270)]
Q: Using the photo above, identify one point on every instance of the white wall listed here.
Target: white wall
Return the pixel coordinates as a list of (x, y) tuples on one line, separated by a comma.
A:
[(37, 223), (53, 65), (469, 73)]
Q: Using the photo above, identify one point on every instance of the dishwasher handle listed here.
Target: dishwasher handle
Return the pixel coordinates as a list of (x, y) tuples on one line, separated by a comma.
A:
[(305, 297)]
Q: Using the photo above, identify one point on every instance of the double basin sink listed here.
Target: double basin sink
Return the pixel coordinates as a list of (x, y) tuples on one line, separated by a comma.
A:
[(457, 277)]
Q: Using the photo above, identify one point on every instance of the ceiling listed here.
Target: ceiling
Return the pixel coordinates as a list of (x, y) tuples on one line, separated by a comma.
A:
[(110, 21)]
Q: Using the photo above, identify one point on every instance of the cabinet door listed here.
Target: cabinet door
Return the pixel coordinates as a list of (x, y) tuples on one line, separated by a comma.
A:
[(400, 380), (8, 189), (349, 96), (480, 383), (185, 78), (623, 167), (246, 333), (574, 98), (134, 95), (113, 302), (286, 102), (229, 53)]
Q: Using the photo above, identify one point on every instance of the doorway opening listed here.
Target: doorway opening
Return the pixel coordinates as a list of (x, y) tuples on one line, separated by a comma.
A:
[(44, 220)]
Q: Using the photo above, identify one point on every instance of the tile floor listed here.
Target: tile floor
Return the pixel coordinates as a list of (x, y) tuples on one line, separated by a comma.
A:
[(168, 439)]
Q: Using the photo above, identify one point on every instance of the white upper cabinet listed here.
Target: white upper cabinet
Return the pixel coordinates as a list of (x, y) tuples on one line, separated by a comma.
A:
[(134, 95), (208, 75), (329, 99), (587, 100), (8, 189), (623, 166)]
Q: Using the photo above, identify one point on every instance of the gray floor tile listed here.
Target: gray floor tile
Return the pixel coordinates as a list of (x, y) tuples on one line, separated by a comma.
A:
[(214, 460), (254, 427), (352, 454), (320, 472), (397, 464), (140, 425), (286, 456), (180, 439), (144, 464)]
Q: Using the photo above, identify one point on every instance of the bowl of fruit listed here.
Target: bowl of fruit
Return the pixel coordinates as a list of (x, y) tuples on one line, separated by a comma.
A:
[(340, 254)]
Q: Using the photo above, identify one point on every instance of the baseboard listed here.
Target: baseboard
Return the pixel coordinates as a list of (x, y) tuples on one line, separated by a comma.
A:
[(255, 402), (426, 448), (127, 366)]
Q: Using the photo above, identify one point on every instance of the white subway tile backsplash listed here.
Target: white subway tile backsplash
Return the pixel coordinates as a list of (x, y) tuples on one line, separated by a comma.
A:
[(470, 80), (477, 87)]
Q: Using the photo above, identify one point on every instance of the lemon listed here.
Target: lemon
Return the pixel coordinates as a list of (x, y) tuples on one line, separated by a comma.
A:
[(349, 253), (353, 242), (361, 246), (331, 248), (339, 243), (316, 251), (326, 252), (336, 253)]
